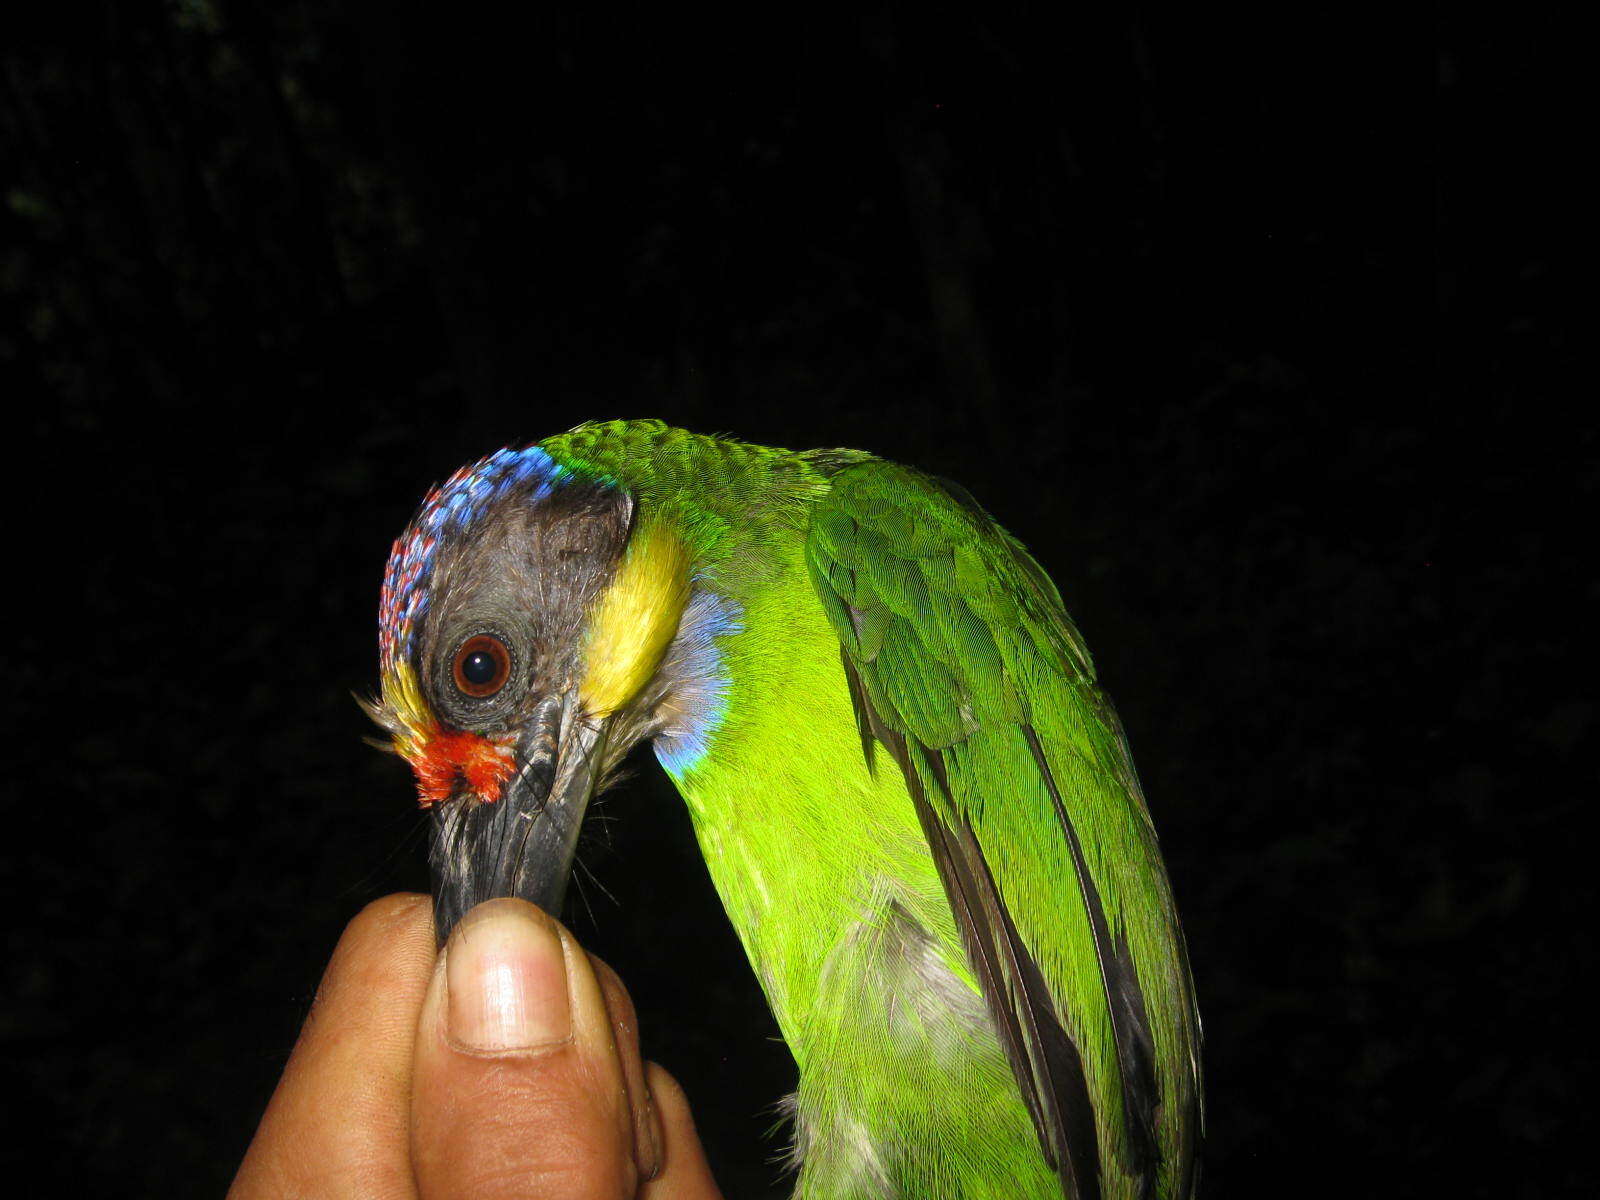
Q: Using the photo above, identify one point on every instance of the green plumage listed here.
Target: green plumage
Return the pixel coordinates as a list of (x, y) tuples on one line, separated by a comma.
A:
[(921, 815)]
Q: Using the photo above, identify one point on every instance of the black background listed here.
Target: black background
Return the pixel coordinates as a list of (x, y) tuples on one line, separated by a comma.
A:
[(1165, 292)]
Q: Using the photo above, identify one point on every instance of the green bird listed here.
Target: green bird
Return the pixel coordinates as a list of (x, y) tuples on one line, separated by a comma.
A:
[(918, 808)]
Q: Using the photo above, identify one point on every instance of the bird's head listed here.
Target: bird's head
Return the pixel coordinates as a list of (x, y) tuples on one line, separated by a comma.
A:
[(526, 613)]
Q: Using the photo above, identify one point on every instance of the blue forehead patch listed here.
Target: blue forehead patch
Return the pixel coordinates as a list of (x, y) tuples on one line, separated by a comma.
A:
[(450, 511)]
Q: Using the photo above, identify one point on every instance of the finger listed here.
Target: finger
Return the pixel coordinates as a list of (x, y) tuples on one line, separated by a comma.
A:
[(336, 1125), (684, 1174), (518, 1091), (625, 1031)]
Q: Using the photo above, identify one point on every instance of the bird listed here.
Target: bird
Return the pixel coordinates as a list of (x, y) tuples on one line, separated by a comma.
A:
[(919, 810)]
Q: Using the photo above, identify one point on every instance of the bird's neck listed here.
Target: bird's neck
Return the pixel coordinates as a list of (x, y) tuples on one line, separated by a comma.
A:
[(805, 844), (802, 840)]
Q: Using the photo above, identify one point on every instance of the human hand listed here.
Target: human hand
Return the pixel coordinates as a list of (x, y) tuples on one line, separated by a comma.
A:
[(507, 1065)]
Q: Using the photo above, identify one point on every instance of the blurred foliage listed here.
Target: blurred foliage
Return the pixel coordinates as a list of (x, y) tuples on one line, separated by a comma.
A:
[(1152, 288)]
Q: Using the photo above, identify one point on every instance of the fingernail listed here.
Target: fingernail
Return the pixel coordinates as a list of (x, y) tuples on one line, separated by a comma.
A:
[(507, 981)]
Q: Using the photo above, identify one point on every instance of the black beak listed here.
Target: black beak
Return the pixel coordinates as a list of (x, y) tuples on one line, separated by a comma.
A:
[(523, 843)]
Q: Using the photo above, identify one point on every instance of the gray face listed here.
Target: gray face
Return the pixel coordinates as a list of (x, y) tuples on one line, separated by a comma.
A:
[(527, 576), (499, 653)]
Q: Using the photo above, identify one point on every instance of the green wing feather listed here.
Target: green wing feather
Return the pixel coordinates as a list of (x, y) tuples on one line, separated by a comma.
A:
[(963, 665)]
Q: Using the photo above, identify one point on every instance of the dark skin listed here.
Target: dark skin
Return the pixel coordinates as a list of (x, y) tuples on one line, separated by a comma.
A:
[(506, 1065)]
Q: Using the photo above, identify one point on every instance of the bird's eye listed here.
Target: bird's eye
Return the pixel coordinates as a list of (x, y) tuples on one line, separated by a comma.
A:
[(482, 666)]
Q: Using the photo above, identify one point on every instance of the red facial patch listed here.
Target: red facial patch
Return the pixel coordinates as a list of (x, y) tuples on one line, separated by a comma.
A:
[(448, 757)]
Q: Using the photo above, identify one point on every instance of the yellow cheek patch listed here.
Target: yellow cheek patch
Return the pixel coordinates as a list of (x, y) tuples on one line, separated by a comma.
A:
[(636, 619)]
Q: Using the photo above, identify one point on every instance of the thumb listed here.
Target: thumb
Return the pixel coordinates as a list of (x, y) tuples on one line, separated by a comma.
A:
[(518, 1089)]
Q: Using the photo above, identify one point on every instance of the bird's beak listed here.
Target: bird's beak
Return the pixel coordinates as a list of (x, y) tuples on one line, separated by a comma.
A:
[(523, 843)]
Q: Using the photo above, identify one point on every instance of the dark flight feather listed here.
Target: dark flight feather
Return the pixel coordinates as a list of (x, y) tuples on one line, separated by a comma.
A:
[(1130, 1025)]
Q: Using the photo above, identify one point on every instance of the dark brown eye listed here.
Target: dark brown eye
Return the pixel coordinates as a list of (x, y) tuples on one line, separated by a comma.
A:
[(482, 666)]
